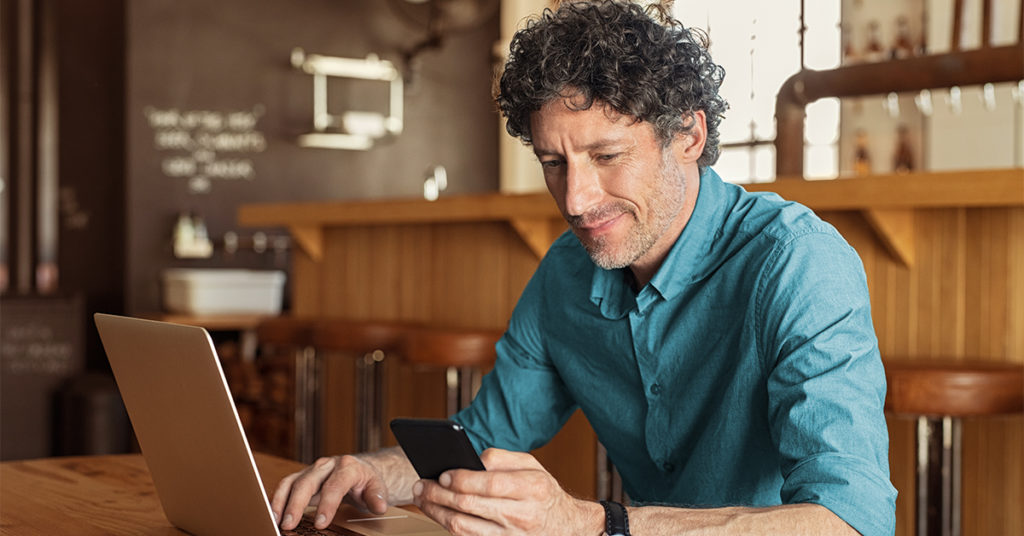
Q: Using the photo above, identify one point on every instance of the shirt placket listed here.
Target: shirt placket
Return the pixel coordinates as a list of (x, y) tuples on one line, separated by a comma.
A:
[(645, 328)]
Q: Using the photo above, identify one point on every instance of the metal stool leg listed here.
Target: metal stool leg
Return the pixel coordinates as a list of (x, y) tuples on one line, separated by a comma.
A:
[(370, 401), (451, 380), (307, 405), (938, 476)]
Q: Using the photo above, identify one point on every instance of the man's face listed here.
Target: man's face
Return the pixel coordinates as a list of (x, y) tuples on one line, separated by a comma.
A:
[(620, 191)]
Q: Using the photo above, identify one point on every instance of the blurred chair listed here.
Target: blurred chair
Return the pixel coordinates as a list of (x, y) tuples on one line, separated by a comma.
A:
[(368, 343), (286, 409), (939, 394), (463, 353)]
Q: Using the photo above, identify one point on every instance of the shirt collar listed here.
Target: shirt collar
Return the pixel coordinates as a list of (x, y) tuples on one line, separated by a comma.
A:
[(684, 264)]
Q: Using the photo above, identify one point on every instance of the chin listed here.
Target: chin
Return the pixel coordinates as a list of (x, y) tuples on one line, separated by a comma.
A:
[(606, 258)]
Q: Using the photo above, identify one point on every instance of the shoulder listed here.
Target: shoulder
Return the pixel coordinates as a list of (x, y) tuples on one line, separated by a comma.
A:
[(781, 221), (761, 229)]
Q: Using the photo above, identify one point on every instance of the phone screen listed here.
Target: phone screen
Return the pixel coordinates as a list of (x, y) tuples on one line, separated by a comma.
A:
[(434, 446)]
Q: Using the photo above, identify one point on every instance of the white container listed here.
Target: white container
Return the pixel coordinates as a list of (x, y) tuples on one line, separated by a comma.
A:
[(222, 291)]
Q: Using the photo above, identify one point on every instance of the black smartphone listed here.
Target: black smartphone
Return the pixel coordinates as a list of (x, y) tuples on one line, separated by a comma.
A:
[(435, 446)]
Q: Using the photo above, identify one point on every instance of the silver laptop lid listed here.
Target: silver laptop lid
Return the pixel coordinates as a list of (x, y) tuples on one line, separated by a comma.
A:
[(181, 409)]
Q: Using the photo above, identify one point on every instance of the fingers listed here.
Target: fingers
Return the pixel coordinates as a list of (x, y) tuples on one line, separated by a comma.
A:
[(296, 492), (509, 475), (349, 479), (515, 493), (507, 460), (280, 496), (376, 497), (432, 499)]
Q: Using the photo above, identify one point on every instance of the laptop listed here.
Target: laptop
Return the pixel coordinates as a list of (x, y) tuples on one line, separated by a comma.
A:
[(188, 429)]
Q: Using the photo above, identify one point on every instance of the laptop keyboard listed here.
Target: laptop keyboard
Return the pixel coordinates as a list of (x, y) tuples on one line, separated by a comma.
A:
[(306, 528)]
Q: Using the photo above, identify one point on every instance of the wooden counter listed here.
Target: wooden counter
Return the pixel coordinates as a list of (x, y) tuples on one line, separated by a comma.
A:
[(943, 252), (94, 495)]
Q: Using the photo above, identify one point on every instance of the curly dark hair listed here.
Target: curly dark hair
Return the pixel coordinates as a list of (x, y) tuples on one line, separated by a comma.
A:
[(618, 54)]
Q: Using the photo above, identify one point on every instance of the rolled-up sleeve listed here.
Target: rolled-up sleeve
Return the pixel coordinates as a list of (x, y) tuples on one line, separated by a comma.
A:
[(826, 384), (522, 402)]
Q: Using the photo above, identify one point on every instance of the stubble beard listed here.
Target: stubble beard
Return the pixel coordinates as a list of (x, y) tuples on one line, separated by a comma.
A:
[(664, 204)]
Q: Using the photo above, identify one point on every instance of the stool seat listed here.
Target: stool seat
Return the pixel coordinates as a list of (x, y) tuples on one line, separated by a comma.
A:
[(367, 343), (939, 393), (358, 336), (462, 352), (954, 388), (285, 331), (446, 347)]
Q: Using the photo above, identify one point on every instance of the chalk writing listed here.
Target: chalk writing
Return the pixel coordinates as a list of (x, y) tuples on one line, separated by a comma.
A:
[(206, 144), (36, 348)]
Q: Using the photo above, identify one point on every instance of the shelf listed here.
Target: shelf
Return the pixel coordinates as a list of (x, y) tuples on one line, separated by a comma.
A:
[(534, 217), (973, 188), (887, 202)]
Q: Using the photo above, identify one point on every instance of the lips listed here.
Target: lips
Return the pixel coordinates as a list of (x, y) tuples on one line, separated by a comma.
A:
[(598, 225), (600, 220)]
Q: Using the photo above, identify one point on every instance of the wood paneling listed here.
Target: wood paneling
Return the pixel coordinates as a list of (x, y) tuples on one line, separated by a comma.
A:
[(962, 300)]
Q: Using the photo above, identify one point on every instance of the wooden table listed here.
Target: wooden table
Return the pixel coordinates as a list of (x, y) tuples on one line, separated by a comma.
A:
[(93, 495)]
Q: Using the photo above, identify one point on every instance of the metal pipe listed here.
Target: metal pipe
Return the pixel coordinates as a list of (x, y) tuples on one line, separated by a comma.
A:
[(972, 67)]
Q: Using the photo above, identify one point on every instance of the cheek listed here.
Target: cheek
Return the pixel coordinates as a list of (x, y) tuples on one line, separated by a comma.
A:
[(626, 182)]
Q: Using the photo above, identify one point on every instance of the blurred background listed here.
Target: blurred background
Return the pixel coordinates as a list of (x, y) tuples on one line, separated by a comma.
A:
[(132, 132)]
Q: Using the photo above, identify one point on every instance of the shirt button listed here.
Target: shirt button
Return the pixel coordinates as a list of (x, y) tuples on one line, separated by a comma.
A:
[(656, 389), (668, 467)]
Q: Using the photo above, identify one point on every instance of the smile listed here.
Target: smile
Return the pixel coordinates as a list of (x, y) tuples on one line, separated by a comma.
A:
[(600, 226)]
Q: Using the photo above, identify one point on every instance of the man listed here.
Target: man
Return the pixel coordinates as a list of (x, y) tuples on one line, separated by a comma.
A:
[(719, 342)]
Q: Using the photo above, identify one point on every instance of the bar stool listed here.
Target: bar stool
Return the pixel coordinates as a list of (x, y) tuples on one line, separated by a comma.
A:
[(289, 384), (463, 353), (939, 394), (368, 343)]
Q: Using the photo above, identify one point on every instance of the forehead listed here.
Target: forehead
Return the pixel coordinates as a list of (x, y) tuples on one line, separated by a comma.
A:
[(561, 119)]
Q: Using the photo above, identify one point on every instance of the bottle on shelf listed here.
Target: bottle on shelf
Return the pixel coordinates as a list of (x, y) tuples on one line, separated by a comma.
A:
[(903, 158), (874, 51), (861, 155), (903, 46)]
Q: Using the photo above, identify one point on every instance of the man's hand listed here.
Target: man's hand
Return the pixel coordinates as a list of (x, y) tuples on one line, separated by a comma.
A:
[(325, 484), (516, 495)]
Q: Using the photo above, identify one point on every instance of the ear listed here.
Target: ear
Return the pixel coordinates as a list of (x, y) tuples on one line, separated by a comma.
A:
[(690, 145)]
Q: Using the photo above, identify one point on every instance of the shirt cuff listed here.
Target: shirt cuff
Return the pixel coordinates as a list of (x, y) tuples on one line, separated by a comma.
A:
[(850, 487)]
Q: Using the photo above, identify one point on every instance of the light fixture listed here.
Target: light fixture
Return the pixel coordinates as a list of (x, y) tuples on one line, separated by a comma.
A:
[(354, 129)]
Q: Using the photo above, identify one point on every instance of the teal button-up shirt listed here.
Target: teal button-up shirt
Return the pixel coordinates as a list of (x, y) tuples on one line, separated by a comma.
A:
[(746, 372)]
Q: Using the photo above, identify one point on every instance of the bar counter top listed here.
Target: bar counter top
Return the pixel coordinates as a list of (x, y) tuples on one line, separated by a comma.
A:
[(885, 200), (1003, 187)]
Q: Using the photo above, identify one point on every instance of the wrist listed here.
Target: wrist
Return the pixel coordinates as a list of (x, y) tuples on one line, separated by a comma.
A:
[(592, 518)]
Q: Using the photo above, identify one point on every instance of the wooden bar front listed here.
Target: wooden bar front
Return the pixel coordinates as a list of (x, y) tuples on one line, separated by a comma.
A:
[(943, 252)]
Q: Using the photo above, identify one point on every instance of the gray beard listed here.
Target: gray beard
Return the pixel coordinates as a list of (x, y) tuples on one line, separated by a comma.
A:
[(664, 206)]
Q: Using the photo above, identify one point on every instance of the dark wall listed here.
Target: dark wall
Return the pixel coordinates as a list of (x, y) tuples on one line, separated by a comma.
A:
[(91, 194), (232, 56)]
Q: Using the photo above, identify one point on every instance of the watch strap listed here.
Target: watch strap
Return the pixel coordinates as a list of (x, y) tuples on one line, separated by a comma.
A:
[(616, 520)]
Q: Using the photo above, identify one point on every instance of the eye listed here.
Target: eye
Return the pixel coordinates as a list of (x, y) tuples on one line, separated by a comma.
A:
[(550, 164), (607, 157)]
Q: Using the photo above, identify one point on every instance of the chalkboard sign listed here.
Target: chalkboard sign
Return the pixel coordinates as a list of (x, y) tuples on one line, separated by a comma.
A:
[(41, 347)]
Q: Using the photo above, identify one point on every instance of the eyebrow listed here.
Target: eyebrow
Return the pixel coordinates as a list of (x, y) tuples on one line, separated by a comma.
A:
[(607, 142)]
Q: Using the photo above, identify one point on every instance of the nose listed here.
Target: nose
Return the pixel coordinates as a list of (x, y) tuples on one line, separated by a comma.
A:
[(582, 188)]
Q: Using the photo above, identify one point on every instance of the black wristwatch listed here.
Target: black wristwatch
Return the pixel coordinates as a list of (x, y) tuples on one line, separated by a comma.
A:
[(616, 521)]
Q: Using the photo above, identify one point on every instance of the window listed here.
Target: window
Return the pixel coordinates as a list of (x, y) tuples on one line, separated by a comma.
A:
[(758, 44)]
